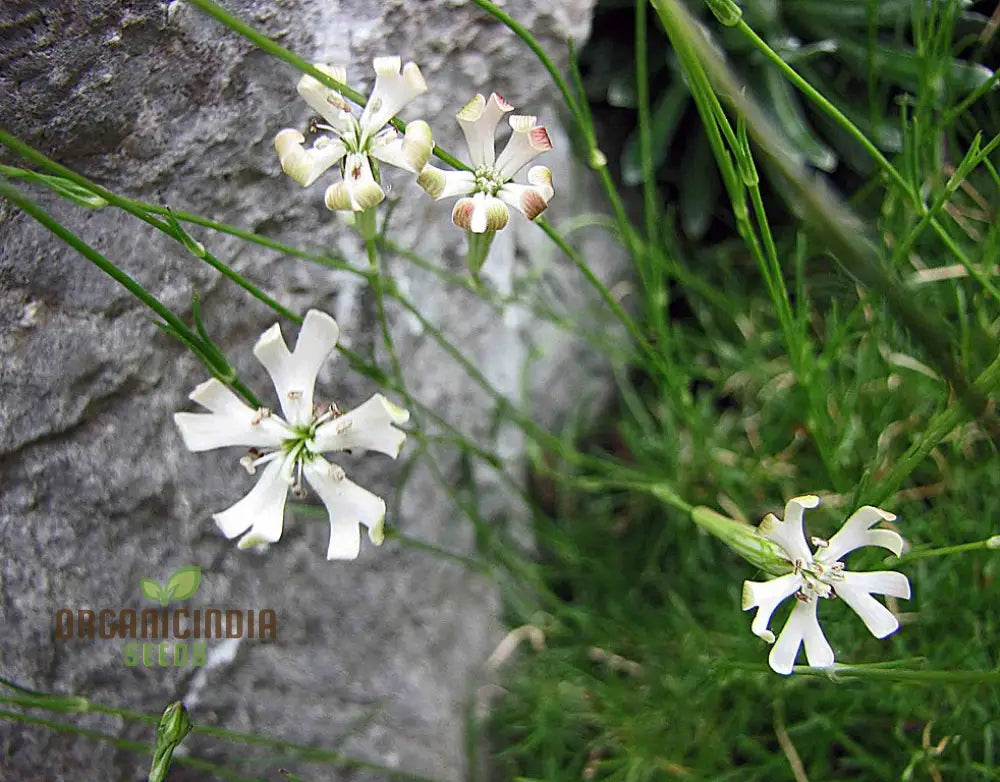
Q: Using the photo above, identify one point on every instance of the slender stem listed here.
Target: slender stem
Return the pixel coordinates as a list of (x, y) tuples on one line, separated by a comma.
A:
[(521, 32), (383, 319), (645, 134), (142, 747), (139, 210), (473, 564), (911, 193), (887, 672), (32, 209), (330, 261), (605, 294), (477, 248), (302, 751), (989, 544)]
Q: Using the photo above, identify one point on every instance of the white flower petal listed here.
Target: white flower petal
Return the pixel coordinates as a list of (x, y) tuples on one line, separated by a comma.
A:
[(411, 152), (369, 427), (392, 91), (294, 374), (819, 653), (329, 104), (766, 596), (541, 178), (479, 119), (856, 533), (359, 191), (480, 213), (788, 532), (528, 200), (230, 422), (526, 143), (856, 590), (305, 165), (802, 625), (347, 505), (441, 184), (262, 511)]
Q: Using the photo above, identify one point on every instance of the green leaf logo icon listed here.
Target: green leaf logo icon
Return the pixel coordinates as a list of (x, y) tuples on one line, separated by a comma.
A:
[(181, 585), (153, 591)]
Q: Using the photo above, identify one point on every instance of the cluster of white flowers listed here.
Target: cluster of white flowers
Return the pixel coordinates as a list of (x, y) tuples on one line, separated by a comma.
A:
[(289, 447), (358, 145)]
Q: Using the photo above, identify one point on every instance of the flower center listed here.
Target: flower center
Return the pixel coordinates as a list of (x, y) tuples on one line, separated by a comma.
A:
[(354, 139), (488, 180), (817, 578), (298, 444)]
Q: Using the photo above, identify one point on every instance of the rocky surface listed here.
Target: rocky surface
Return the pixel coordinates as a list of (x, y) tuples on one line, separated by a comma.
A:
[(377, 657)]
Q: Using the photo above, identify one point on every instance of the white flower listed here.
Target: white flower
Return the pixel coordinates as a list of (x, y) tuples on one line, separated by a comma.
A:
[(358, 143), (288, 446), (489, 183), (819, 575)]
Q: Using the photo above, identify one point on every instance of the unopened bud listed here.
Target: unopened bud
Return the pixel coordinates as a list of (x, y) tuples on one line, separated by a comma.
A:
[(744, 539), (726, 11), (174, 725)]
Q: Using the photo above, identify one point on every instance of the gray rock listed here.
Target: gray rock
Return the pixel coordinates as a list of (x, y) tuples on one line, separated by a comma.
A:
[(378, 657)]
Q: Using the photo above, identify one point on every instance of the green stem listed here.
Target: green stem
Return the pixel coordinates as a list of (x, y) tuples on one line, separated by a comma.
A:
[(365, 224), (411, 401), (743, 539), (839, 228), (884, 673), (991, 543), (136, 209), (605, 294), (32, 209), (912, 195), (645, 134), (477, 249), (303, 751), (472, 564), (521, 32)]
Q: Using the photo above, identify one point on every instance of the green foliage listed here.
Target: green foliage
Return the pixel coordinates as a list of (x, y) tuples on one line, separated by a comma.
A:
[(868, 57), (788, 381), (847, 351)]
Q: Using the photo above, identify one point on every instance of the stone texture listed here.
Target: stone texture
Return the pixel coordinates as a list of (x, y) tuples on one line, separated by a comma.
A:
[(377, 657)]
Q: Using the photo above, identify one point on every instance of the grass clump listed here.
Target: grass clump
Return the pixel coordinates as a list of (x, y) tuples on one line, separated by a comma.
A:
[(784, 375)]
